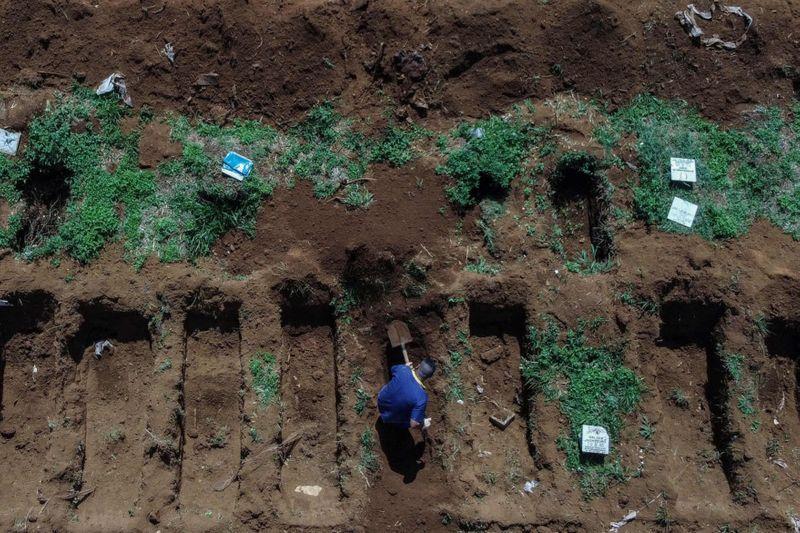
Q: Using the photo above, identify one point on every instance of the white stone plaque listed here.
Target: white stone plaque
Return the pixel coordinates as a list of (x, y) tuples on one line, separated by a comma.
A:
[(683, 169), (594, 439), (682, 212)]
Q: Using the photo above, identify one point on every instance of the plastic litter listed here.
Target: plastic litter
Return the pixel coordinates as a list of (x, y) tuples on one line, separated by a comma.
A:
[(530, 485), (628, 518), (484, 453), (169, 51), (683, 170), (682, 212), (479, 389), (6, 303), (115, 83), (795, 521), (687, 19), (309, 490), (236, 166), (100, 348), (477, 133), (9, 142), (594, 439)]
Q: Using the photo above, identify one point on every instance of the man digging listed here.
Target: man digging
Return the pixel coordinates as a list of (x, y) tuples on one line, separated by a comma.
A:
[(401, 404)]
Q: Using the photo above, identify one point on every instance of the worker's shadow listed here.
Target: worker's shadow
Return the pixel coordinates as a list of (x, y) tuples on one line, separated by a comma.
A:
[(402, 453)]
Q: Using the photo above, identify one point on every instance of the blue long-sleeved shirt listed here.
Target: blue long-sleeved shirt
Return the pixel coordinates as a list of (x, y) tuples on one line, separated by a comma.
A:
[(403, 398)]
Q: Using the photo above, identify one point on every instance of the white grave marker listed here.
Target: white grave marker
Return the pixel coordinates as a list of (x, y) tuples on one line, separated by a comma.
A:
[(594, 439), (682, 212), (683, 169)]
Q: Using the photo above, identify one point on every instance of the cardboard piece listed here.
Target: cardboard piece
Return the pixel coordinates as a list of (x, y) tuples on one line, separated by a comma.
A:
[(594, 439), (9, 142), (683, 170), (682, 212), (236, 166)]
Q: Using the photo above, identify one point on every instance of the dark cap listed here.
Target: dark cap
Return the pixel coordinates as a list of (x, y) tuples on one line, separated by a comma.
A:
[(426, 368)]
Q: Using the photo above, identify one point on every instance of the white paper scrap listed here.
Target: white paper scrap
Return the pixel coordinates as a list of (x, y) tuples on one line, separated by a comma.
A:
[(683, 169), (9, 142), (309, 490), (682, 212)]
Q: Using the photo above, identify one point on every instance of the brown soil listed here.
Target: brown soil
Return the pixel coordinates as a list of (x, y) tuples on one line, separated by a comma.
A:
[(158, 434)]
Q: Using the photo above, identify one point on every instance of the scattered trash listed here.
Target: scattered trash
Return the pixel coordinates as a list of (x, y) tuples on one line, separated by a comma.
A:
[(502, 423), (530, 485), (35, 371), (479, 388), (115, 83), (309, 490), (781, 463), (477, 133), (236, 166), (484, 453), (169, 51), (795, 521), (209, 79), (687, 19), (682, 212), (5, 303), (594, 439), (628, 518), (460, 402), (683, 170), (426, 423), (100, 348), (9, 142)]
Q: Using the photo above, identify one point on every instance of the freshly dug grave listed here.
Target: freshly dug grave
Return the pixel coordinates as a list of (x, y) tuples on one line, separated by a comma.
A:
[(177, 429)]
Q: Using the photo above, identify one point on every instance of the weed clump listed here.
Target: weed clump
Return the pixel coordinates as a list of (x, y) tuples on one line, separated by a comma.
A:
[(266, 380), (591, 385), (489, 156)]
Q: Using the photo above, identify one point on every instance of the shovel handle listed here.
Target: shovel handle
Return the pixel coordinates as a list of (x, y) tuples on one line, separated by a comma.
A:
[(405, 354)]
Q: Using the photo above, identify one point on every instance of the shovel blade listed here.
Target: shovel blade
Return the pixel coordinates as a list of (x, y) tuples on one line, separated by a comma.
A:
[(398, 333)]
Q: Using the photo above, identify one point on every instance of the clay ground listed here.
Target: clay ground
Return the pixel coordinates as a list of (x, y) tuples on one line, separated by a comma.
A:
[(166, 433)]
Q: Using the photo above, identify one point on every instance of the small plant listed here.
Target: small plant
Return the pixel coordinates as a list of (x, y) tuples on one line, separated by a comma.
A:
[(362, 399), (586, 264), (368, 461), (255, 437), (115, 435), (220, 438), (662, 516), (746, 403), (678, 397), (165, 365), (762, 325), (773, 448), (734, 364), (455, 390), (645, 305), (482, 266), (490, 477), (266, 381), (646, 429)]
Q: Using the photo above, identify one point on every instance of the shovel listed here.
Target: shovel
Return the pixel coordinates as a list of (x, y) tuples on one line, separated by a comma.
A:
[(399, 336)]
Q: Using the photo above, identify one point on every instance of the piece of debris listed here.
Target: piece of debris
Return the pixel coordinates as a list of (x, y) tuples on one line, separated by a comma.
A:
[(502, 423), (209, 79), (115, 83), (530, 485), (628, 518), (484, 453), (309, 490), (687, 19), (795, 521), (683, 170), (6, 303), (476, 133), (410, 64), (781, 463), (169, 52), (236, 166), (9, 142), (479, 388), (100, 347), (594, 439), (460, 402), (682, 212)]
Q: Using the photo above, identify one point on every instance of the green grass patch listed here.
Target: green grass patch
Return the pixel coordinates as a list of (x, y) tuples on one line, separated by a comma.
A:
[(591, 385), (368, 460), (488, 163), (742, 174), (266, 381)]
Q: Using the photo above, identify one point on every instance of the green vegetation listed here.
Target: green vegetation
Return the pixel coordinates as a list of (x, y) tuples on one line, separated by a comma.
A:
[(362, 399), (646, 306), (220, 437), (396, 147), (678, 397), (266, 381), (734, 364), (455, 390), (591, 386), (368, 461), (490, 212), (488, 163), (586, 263), (482, 266), (741, 173), (646, 429)]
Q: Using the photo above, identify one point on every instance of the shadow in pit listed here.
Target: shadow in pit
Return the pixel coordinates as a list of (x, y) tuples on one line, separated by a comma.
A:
[(698, 323), (403, 455), (102, 322), (783, 340)]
